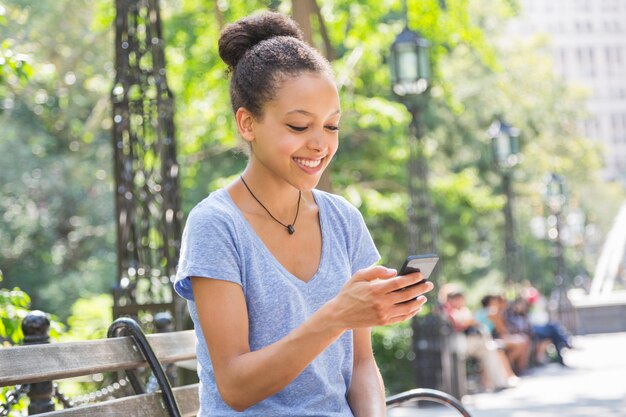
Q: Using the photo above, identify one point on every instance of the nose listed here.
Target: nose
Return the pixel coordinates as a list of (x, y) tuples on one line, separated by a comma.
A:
[(317, 141)]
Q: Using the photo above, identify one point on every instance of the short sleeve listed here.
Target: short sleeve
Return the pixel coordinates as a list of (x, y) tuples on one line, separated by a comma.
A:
[(363, 252), (208, 249)]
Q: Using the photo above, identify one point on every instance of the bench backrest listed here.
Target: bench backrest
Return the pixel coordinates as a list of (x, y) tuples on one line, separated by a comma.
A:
[(48, 362)]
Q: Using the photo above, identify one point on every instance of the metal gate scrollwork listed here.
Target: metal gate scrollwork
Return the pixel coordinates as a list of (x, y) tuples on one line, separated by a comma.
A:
[(147, 201)]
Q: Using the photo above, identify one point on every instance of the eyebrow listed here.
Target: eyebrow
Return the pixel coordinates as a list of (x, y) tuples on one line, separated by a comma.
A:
[(307, 113)]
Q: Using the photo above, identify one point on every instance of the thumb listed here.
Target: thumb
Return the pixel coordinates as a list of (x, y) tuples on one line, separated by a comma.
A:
[(375, 272)]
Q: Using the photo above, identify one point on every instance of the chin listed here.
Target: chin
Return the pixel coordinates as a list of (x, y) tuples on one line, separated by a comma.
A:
[(308, 184)]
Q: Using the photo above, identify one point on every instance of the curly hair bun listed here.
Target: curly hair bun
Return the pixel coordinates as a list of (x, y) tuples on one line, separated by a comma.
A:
[(239, 37)]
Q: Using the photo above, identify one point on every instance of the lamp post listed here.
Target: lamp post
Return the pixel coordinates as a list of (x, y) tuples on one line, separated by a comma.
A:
[(505, 152), (556, 198), (410, 77), (435, 364)]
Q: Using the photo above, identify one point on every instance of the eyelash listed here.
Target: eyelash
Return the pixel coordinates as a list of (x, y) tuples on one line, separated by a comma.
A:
[(302, 129)]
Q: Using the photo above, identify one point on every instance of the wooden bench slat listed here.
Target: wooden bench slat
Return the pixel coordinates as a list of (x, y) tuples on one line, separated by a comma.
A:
[(36, 363), (145, 405)]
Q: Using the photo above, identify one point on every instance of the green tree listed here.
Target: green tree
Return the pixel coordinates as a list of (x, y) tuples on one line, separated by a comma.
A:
[(56, 235)]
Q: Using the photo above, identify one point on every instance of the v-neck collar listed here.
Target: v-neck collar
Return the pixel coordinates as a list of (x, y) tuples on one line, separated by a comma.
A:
[(258, 242)]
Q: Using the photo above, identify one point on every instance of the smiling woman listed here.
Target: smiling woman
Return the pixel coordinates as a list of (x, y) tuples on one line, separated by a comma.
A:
[(280, 277), (296, 136)]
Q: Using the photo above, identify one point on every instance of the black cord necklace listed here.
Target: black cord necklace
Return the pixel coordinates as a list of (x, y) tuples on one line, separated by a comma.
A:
[(289, 227)]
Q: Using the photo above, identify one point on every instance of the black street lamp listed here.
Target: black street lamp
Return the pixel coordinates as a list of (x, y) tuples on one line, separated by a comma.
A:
[(410, 63), (504, 144), (410, 75), (555, 198), (505, 152)]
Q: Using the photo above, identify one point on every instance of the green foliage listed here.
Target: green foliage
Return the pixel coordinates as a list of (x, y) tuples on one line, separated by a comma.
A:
[(14, 67), (90, 318), (57, 234), (394, 355), (13, 308)]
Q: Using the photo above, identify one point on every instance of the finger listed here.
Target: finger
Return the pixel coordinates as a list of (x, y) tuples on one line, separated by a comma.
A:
[(399, 282), (409, 307), (407, 310), (410, 293), (376, 272)]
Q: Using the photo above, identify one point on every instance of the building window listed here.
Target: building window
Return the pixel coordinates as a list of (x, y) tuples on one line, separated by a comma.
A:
[(583, 26), (615, 60), (585, 58), (618, 127)]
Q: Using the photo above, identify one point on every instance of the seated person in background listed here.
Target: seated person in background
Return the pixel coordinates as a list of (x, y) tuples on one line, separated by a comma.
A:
[(495, 370), (543, 327), (518, 322), (516, 346)]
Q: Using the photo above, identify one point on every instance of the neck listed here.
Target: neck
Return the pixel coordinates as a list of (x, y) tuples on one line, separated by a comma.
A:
[(277, 195)]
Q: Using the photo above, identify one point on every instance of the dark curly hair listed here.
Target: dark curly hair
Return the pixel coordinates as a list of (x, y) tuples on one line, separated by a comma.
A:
[(261, 51)]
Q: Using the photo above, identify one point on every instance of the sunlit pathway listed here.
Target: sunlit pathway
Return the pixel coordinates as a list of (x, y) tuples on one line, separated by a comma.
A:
[(593, 385)]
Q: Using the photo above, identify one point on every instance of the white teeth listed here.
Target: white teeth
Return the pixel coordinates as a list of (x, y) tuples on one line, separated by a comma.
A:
[(311, 163)]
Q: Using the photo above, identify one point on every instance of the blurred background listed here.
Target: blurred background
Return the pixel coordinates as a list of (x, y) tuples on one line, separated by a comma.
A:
[(506, 154)]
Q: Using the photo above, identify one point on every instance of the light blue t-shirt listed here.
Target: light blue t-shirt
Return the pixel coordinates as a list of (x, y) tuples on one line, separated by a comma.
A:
[(219, 243)]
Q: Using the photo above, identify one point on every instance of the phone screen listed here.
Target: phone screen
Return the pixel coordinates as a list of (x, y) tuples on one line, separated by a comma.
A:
[(419, 263)]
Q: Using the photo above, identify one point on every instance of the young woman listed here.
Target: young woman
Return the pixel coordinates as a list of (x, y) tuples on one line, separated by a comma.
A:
[(280, 277)]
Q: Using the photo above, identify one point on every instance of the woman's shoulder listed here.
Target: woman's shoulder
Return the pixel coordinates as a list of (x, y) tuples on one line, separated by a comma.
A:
[(216, 208)]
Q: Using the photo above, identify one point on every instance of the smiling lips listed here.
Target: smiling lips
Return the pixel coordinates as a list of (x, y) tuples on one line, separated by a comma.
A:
[(309, 165)]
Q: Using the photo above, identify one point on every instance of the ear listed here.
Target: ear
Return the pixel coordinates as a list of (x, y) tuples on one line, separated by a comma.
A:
[(245, 124)]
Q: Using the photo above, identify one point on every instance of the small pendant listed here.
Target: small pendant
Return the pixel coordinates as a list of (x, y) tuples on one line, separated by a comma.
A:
[(290, 229)]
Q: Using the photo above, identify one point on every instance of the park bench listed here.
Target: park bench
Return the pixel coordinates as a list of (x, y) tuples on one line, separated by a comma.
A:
[(36, 364)]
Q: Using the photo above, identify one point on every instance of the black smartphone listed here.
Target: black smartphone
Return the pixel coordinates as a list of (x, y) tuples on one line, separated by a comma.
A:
[(420, 263)]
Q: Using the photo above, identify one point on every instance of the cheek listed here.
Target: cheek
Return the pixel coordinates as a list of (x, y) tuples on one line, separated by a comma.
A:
[(286, 147), (334, 145)]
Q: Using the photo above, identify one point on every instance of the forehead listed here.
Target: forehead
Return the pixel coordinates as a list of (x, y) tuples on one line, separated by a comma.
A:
[(313, 93)]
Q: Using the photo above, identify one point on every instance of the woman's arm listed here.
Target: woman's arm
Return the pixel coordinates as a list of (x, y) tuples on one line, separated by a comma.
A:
[(244, 378), (367, 391)]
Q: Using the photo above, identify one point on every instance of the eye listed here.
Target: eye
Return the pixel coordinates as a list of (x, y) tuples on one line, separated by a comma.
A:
[(332, 128), (297, 128)]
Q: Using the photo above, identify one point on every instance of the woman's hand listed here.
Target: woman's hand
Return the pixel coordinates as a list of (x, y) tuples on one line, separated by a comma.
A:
[(375, 296), (245, 377)]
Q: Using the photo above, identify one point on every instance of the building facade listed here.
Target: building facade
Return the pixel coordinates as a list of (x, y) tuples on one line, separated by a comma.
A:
[(588, 41)]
